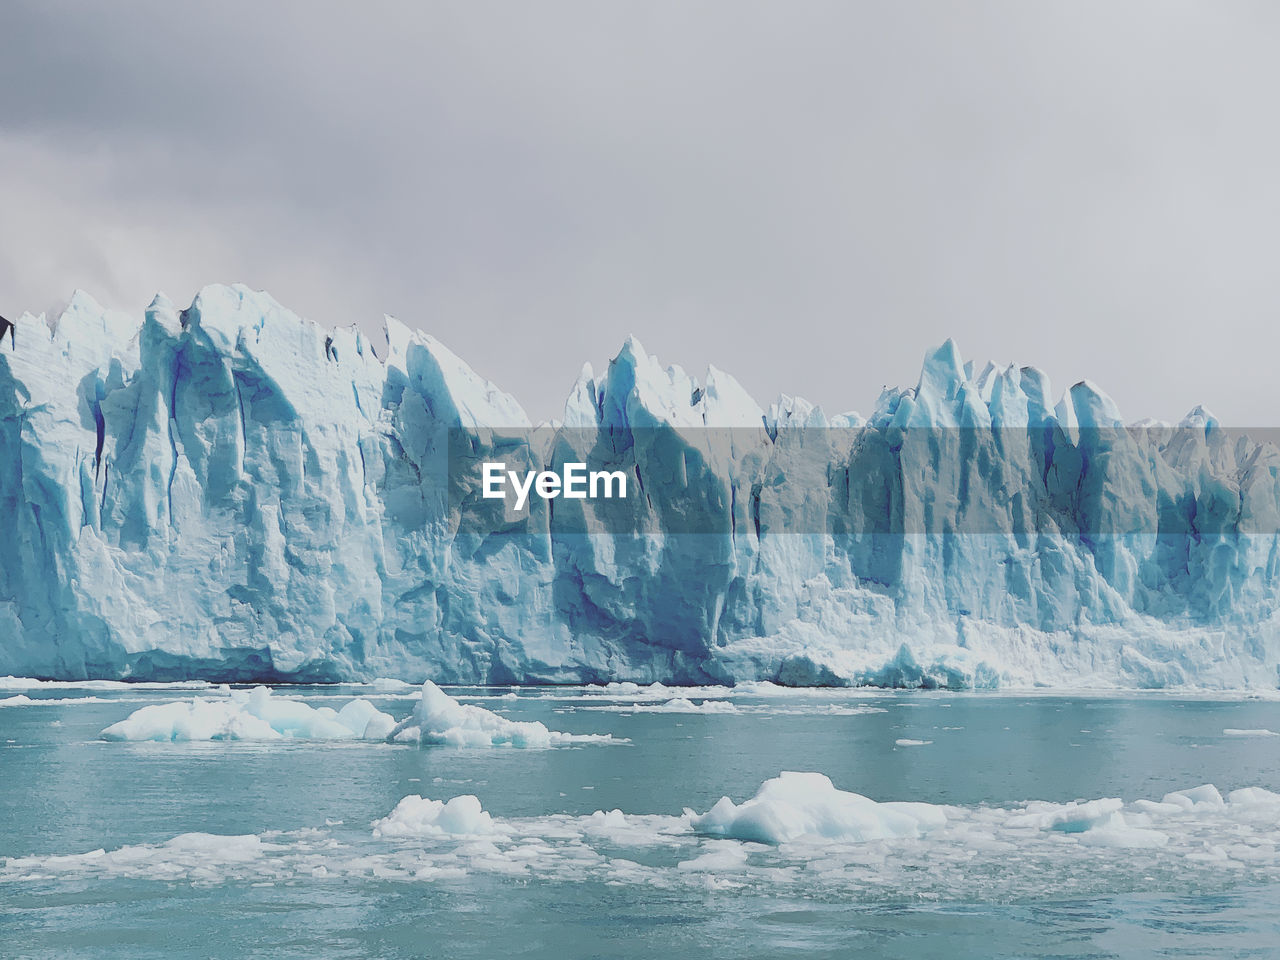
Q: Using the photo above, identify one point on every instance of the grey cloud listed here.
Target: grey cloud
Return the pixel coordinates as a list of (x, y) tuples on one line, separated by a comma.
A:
[(807, 195)]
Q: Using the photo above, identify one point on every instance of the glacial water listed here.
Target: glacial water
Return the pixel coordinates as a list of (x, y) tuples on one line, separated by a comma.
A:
[(306, 877)]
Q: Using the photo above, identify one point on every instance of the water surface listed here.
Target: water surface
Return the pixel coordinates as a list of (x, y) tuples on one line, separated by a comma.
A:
[(65, 792)]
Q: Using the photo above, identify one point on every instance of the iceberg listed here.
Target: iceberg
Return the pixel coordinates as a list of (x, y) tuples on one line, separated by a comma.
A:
[(230, 493), (438, 718), (255, 715), (795, 805), (416, 816), (1258, 732)]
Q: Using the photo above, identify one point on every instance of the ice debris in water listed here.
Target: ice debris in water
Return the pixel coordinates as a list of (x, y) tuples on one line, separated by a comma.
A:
[(820, 842), (194, 857), (29, 683), (252, 715), (676, 705), (794, 805), (22, 700), (438, 718)]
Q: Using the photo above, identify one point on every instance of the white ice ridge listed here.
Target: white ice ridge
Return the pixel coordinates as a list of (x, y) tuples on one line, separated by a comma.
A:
[(230, 492), (438, 718), (799, 834)]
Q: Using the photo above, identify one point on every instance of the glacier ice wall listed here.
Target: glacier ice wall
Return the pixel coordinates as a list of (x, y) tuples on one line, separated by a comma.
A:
[(231, 492)]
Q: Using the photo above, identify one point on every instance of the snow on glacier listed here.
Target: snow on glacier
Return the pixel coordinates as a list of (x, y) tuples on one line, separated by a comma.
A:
[(232, 493)]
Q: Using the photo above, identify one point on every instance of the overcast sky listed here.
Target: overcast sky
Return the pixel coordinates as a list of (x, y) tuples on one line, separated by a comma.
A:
[(807, 195)]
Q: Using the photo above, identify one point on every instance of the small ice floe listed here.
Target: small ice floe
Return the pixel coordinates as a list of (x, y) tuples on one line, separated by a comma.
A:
[(676, 705), (438, 718), (389, 684), (1233, 732), (32, 683), (795, 805), (22, 700), (252, 715), (417, 816), (194, 857)]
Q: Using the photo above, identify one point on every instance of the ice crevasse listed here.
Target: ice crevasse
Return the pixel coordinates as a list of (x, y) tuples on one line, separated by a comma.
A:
[(230, 492)]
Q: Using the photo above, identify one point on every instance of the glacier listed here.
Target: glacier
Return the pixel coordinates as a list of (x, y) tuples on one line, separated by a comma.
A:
[(231, 493)]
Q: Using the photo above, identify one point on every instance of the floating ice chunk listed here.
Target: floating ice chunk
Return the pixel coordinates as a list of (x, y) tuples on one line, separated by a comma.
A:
[(216, 846), (1125, 835), (366, 720), (417, 816), (389, 684), (191, 720), (821, 710), (684, 705), (795, 805), (625, 688), (1097, 823), (722, 856), (611, 820), (1078, 817), (203, 856), (1233, 732), (19, 683), (1206, 794), (255, 715), (1253, 797), (678, 705), (22, 700), (28, 683), (438, 718)]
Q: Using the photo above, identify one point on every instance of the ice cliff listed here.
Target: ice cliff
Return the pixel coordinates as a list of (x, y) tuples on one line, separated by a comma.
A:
[(231, 492)]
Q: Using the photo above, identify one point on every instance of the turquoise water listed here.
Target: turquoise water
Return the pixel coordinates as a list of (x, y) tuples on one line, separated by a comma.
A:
[(323, 886)]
